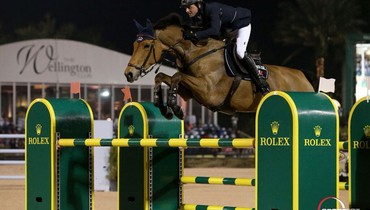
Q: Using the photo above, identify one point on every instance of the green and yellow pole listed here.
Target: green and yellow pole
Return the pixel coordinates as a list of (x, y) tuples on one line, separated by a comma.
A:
[(296, 151), (148, 177), (58, 179), (359, 155)]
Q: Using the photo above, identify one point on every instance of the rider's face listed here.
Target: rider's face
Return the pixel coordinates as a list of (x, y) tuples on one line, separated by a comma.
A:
[(192, 10)]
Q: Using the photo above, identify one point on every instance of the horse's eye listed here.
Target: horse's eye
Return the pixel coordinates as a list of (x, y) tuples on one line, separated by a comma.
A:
[(146, 46)]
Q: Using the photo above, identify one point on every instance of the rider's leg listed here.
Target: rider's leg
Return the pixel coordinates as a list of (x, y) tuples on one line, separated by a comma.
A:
[(253, 70), (242, 39), (241, 51)]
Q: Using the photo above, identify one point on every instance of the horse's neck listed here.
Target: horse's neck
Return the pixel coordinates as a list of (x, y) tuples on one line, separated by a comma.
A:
[(209, 50), (210, 44), (188, 53), (191, 51), (172, 37)]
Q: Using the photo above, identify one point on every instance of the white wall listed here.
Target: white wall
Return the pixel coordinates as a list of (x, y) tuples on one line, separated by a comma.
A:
[(65, 61), (102, 129)]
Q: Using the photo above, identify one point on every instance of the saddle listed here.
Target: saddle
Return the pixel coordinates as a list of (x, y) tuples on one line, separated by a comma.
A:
[(234, 68)]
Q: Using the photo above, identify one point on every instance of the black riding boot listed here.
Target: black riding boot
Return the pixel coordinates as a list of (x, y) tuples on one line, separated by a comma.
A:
[(250, 65)]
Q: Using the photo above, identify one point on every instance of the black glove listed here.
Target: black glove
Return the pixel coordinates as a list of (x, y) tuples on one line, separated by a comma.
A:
[(189, 35)]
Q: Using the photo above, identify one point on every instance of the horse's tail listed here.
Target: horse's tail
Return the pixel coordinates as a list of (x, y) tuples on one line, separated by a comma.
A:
[(311, 77)]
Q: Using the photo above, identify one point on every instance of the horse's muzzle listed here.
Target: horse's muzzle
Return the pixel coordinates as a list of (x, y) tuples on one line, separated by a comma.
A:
[(130, 77)]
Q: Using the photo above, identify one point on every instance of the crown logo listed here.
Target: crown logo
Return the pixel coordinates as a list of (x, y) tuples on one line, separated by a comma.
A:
[(317, 130), (38, 129), (131, 130), (275, 127), (367, 131)]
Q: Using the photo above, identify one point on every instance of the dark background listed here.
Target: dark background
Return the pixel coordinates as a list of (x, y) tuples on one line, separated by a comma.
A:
[(114, 19)]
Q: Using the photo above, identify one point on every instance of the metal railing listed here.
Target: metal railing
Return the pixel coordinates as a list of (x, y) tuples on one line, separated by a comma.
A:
[(12, 151)]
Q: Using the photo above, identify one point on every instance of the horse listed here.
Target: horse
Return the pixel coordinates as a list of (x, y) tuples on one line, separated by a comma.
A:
[(201, 72)]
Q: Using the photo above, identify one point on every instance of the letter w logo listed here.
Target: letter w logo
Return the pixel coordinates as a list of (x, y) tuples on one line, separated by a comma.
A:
[(27, 55)]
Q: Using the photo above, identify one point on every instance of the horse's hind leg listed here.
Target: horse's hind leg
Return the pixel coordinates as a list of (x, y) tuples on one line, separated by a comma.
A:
[(158, 97)]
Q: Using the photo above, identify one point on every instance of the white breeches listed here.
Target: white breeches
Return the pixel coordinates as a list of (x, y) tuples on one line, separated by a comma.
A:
[(242, 41)]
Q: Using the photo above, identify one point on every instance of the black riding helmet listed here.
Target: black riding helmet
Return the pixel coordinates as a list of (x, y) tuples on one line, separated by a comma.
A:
[(186, 3)]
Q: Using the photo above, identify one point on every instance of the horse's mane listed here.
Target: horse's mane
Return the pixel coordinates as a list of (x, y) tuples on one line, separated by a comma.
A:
[(169, 20)]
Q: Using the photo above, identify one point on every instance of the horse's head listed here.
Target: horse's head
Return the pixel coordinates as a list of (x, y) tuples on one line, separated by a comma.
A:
[(148, 49), (144, 55)]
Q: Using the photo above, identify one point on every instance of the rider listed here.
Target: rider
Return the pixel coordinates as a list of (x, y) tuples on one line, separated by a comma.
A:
[(212, 19)]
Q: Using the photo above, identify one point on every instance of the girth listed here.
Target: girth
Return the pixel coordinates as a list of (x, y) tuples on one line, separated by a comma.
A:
[(226, 102)]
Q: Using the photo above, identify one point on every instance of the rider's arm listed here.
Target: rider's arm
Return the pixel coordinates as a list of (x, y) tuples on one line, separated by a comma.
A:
[(213, 13)]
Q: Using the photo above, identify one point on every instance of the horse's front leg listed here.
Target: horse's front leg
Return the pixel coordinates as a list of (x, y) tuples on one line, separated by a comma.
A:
[(172, 96), (158, 95)]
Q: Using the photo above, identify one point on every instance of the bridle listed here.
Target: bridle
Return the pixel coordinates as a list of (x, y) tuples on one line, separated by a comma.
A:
[(143, 71)]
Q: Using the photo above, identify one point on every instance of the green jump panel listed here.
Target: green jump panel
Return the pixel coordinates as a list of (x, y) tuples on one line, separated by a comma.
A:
[(58, 179), (148, 177), (359, 155), (296, 151)]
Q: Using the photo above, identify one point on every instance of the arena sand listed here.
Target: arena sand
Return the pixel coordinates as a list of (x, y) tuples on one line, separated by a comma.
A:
[(12, 192)]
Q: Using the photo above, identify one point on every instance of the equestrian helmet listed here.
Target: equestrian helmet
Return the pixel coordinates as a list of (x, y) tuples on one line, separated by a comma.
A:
[(186, 3)]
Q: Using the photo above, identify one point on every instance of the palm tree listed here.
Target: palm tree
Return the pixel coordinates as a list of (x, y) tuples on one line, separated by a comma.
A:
[(317, 24), (47, 28), (3, 37)]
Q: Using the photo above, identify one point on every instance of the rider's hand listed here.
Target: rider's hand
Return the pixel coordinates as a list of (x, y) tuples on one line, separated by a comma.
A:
[(189, 35)]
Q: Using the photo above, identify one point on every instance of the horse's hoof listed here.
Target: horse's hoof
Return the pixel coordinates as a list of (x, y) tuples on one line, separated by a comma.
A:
[(167, 112), (178, 112)]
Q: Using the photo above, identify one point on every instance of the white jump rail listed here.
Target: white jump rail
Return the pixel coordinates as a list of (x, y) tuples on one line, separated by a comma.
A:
[(10, 151)]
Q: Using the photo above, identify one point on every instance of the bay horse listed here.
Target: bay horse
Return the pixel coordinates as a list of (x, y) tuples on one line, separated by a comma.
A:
[(200, 72)]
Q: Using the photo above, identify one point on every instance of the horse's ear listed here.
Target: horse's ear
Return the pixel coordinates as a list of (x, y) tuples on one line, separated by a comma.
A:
[(149, 27), (138, 26), (149, 24)]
